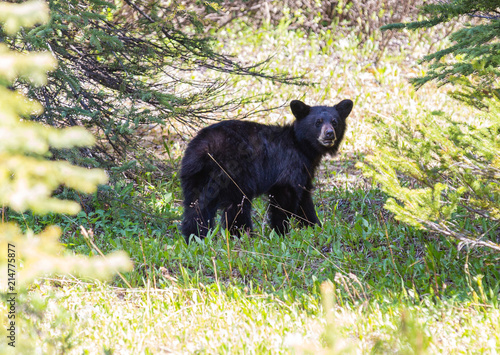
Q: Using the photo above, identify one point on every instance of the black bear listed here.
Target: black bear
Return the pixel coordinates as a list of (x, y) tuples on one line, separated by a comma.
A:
[(229, 163)]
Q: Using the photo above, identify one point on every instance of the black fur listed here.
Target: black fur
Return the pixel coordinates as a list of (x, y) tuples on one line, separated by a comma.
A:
[(229, 163)]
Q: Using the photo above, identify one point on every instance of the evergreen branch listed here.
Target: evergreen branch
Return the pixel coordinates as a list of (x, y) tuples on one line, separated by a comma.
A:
[(464, 237), (212, 60)]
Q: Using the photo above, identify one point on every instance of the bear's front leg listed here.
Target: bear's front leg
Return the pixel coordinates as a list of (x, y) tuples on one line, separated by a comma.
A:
[(307, 213)]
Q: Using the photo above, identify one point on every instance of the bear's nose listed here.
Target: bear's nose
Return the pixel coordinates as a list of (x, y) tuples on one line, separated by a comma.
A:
[(329, 133)]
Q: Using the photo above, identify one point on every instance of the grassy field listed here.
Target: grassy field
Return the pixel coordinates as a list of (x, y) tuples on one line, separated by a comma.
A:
[(363, 283)]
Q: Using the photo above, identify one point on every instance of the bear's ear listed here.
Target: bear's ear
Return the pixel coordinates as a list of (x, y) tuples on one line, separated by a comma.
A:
[(299, 109), (344, 108)]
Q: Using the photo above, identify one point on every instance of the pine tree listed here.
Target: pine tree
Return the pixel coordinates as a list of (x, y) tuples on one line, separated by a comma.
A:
[(443, 174), (123, 65), (471, 61)]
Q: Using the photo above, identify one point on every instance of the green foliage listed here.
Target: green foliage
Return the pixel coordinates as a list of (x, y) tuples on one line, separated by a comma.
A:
[(42, 254), (452, 169), (360, 248), (126, 67), (393, 287), (471, 61), (27, 181), (28, 14), (27, 178), (441, 172)]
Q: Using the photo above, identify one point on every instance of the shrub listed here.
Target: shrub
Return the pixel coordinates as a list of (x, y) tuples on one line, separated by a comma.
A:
[(443, 174)]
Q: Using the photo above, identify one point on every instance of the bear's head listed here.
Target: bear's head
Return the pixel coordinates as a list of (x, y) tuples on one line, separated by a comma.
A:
[(321, 127)]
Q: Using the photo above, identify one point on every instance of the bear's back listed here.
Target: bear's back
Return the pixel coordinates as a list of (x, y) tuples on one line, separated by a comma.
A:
[(257, 155)]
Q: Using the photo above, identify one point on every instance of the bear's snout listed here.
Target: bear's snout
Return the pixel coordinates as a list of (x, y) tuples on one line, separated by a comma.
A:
[(327, 136), (329, 133)]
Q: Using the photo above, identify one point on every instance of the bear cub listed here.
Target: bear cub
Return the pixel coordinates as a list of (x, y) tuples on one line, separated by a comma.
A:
[(229, 163)]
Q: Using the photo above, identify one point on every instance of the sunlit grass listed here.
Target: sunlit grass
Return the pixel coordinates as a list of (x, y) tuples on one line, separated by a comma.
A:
[(218, 319)]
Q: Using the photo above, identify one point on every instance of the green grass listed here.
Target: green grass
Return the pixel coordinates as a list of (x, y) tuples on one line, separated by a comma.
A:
[(361, 283), (216, 318), (392, 287)]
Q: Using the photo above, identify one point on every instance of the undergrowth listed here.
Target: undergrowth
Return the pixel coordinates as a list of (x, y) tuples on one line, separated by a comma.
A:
[(392, 286)]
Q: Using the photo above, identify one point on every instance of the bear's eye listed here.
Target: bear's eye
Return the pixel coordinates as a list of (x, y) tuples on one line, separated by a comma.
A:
[(319, 122)]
